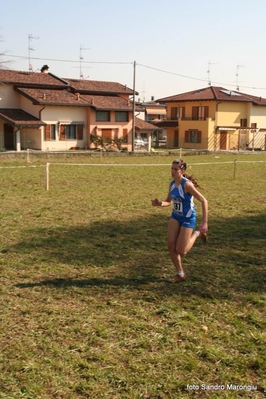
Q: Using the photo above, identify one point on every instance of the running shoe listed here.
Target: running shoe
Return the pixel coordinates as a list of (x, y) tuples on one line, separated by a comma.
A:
[(203, 236), (176, 279)]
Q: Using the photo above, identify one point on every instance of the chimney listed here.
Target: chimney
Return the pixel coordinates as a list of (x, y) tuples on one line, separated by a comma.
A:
[(78, 95), (45, 69)]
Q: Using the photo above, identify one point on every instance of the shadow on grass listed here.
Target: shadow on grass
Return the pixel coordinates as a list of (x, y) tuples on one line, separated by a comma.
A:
[(131, 254)]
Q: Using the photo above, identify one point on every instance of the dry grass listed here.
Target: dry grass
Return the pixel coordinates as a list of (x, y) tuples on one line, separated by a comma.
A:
[(85, 309)]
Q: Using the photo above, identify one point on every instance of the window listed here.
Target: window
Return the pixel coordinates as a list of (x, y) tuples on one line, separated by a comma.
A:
[(121, 116), (71, 132), (200, 113), (192, 136), (177, 112), (49, 133), (102, 116)]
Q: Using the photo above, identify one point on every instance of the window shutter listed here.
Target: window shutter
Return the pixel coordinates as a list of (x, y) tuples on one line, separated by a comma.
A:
[(206, 112), (243, 122), (173, 113), (194, 113), (62, 132), (79, 132), (253, 125), (125, 135), (183, 112), (187, 136), (199, 136), (47, 132)]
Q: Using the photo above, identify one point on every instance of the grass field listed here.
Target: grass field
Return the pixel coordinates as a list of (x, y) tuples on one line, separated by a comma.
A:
[(85, 310)]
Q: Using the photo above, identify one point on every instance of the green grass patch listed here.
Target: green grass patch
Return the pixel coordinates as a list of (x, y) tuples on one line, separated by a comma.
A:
[(85, 310)]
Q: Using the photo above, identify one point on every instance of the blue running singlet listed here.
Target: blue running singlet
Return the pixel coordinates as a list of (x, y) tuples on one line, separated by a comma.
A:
[(183, 204)]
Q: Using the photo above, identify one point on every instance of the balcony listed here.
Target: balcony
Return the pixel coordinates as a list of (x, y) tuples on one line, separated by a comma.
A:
[(186, 118), (190, 118)]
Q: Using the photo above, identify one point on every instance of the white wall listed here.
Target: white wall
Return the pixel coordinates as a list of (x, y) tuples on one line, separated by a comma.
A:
[(53, 115), (258, 115), (8, 97)]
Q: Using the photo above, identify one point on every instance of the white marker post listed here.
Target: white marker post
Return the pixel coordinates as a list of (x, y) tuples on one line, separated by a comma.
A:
[(47, 176)]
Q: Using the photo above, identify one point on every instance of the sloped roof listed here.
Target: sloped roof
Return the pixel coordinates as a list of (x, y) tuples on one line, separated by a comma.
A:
[(109, 102), (214, 93), (65, 97), (98, 86), (30, 78), (38, 79), (143, 125), (52, 97), (19, 118)]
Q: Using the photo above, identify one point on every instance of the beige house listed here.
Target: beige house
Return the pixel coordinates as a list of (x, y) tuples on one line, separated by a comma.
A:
[(215, 118), (44, 112)]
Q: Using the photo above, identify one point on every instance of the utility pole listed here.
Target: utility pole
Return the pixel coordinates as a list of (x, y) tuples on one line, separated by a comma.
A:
[(134, 106)]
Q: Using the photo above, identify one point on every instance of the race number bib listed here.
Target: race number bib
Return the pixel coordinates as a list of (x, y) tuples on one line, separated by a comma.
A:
[(178, 206)]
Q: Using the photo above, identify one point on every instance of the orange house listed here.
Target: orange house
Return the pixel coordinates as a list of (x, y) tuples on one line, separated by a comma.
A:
[(215, 118)]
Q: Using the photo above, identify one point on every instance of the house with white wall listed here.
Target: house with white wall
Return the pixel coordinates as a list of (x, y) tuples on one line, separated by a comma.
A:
[(41, 111)]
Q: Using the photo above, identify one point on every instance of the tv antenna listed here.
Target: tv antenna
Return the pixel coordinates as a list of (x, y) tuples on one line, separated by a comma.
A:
[(143, 92), (81, 48), (209, 72), (237, 69), (30, 38)]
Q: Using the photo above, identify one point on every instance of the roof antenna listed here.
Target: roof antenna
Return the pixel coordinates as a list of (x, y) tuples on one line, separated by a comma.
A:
[(237, 68), (30, 38), (209, 71), (81, 76)]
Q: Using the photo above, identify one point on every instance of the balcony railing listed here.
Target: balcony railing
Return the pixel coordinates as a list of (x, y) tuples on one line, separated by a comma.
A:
[(186, 118), (191, 118)]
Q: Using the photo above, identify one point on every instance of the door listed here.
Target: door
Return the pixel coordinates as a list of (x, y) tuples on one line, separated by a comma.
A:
[(107, 133), (176, 138), (223, 140), (9, 142)]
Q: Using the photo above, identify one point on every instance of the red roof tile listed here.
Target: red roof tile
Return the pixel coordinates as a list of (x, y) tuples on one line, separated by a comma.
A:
[(17, 117), (143, 125), (65, 97), (30, 78), (98, 86), (52, 97), (214, 93), (108, 102)]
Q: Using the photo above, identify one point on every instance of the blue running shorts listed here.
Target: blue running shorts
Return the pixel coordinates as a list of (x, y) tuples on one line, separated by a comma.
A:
[(185, 222)]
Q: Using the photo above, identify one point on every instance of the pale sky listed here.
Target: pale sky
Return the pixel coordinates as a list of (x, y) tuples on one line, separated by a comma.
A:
[(174, 43)]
